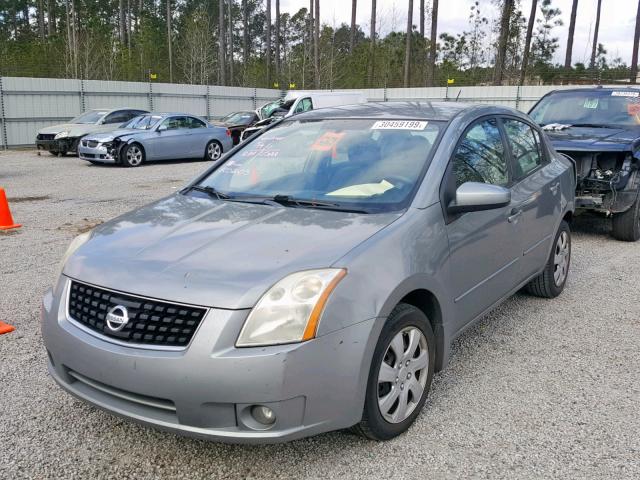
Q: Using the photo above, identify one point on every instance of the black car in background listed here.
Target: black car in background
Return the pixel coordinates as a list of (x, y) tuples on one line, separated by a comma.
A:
[(599, 128), (237, 122)]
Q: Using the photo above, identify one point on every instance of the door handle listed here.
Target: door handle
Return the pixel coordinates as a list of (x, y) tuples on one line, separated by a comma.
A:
[(554, 187), (514, 215)]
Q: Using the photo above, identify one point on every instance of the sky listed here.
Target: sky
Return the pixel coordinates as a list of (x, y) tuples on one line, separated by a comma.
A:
[(617, 20)]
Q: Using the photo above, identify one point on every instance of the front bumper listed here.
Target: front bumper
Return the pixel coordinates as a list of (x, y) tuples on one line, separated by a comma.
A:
[(67, 144), (207, 389), (99, 153)]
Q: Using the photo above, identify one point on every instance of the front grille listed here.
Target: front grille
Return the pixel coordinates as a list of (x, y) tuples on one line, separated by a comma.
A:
[(151, 322), (46, 136)]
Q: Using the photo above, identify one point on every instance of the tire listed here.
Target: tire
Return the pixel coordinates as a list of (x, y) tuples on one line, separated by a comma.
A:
[(213, 152), (550, 283), (626, 225), (133, 155), (405, 320)]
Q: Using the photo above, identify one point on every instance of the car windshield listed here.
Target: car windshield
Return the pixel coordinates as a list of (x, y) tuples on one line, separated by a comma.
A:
[(368, 165), (589, 108), (239, 118), (92, 116), (143, 122)]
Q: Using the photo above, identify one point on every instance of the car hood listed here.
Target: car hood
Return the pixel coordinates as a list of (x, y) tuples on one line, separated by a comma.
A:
[(77, 129), (597, 139), (215, 253), (109, 136)]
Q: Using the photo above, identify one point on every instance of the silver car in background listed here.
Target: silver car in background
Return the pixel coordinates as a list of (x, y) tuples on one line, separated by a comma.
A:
[(315, 278), (157, 136)]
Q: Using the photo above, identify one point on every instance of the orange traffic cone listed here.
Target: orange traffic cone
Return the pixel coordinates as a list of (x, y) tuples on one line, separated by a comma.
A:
[(6, 220), (5, 328)]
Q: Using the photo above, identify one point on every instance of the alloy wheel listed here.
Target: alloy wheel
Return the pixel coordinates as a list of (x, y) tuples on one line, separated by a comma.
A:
[(214, 151), (134, 156), (403, 375), (561, 259)]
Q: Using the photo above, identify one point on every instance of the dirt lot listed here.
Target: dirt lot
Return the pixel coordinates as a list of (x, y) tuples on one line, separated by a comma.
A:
[(538, 389)]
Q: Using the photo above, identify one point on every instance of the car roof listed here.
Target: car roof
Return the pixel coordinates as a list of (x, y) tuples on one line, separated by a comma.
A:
[(435, 111)]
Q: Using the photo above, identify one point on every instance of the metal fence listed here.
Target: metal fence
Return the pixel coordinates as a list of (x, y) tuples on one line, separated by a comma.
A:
[(29, 104)]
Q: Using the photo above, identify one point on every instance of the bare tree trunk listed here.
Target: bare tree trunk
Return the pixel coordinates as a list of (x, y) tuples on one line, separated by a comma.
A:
[(422, 18), (51, 15), (25, 18), (407, 51), (596, 29), (245, 34), (268, 43), (277, 40), (432, 44), (310, 36), (121, 21), (352, 32), (636, 41), (230, 43), (505, 18), (221, 48), (372, 44), (169, 41), (129, 24), (527, 42), (316, 45), (572, 28), (41, 20)]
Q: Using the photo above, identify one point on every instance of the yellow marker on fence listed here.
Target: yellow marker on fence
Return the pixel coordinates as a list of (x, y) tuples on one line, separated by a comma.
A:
[(451, 81)]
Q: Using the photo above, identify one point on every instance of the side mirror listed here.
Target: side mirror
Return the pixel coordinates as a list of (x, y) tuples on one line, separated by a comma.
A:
[(474, 197), (162, 128)]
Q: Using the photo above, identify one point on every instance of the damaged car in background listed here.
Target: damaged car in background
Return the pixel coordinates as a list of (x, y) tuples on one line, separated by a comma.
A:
[(157, 136), (64, 138), (599, 129)]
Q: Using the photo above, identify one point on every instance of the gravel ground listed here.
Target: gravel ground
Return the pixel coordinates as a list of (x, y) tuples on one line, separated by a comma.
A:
[(537, 389)]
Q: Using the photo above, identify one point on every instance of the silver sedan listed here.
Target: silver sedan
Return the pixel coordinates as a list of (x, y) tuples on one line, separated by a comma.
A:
[(157, 136)]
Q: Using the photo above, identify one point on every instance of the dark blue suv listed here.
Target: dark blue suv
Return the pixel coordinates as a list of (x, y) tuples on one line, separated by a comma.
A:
[(599, 128)]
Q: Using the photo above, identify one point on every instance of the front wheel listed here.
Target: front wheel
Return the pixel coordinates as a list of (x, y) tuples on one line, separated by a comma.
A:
[(133, 155), (400, 374), (551, 282), (626, 225), (214, 151)]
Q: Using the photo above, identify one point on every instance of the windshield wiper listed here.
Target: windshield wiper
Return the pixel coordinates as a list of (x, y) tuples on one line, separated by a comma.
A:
[(289, 201), (590, 125), (212, 192)]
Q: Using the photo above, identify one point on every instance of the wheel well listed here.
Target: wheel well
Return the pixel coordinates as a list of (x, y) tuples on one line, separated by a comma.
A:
[(568, 217), (427, 303)]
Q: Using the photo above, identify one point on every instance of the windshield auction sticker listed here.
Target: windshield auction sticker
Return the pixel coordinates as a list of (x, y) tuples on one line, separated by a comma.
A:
[(399, 125), (625, 94)]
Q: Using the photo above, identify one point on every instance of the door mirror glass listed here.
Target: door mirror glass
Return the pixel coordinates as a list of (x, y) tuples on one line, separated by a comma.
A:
[(475, 196), (162, 127)]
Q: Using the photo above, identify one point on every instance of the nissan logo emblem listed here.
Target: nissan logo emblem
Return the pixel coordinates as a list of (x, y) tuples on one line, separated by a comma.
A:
[(117, 318)]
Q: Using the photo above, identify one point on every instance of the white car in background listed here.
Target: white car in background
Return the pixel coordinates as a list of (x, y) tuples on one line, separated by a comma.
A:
[(299, 101), (64, 138)]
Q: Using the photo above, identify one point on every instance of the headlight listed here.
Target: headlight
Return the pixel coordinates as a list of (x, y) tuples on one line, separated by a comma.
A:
[(290, 310), (61, 135), (75, 244)]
